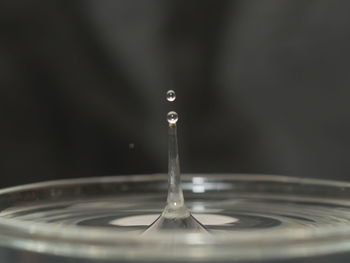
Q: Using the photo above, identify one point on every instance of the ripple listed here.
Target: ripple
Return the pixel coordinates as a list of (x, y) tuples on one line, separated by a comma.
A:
[(230, 214)]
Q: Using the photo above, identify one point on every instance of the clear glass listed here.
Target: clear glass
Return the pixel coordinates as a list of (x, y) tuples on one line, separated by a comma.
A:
[(248, 218)]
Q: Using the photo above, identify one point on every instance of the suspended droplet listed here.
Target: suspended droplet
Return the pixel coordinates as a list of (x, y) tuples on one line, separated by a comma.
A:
[(172, 117), (170, 95), (131, 145)]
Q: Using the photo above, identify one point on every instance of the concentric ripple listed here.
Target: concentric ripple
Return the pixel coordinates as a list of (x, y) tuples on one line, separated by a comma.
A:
[(218, 214)]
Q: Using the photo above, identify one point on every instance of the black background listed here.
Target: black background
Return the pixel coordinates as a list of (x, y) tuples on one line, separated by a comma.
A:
[(262, 87)]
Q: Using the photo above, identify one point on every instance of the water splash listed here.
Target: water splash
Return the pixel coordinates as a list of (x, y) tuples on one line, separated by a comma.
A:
[(175, 215)]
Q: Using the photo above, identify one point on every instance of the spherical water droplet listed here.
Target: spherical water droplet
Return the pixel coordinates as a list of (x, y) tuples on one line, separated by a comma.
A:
[(172, 117), (170, 95), (131, 145)]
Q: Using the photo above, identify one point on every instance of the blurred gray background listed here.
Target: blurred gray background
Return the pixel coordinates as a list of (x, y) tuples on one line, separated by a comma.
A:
[(262, 87)]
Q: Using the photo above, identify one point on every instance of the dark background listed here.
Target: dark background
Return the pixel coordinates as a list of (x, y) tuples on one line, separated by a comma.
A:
[(262, 87)]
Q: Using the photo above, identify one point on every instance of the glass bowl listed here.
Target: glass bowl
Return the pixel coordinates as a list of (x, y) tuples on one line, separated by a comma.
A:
[(250, 218)]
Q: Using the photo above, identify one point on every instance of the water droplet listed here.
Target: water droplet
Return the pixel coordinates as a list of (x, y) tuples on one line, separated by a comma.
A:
[(172, 117), (131, 145), (170, 95)]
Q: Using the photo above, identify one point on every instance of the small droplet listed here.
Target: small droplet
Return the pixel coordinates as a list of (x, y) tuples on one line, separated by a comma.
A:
[(131, 146), (172, 117), (170, 95)]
